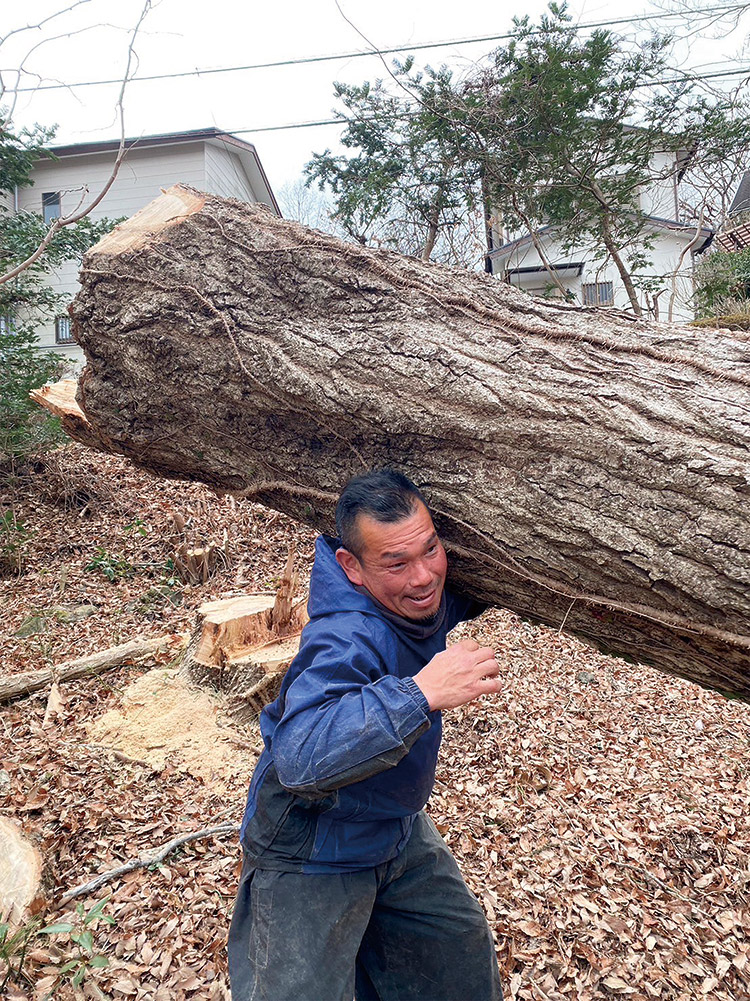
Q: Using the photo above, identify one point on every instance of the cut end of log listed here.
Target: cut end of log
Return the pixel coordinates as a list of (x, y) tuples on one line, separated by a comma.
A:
[(169, 209), (20, 872), (59, 398)]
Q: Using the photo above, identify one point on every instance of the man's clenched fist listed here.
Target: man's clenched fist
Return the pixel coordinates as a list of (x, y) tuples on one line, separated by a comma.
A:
[(459, 675)]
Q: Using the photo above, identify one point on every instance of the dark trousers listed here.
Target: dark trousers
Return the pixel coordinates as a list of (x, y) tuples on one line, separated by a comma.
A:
[(408, 930)]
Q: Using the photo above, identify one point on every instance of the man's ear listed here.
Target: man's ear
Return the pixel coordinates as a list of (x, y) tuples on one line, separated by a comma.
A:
[(350, 565)]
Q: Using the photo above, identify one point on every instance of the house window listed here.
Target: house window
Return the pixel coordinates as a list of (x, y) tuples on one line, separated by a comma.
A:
[(63, 333), (598, 294), (7, 325), (51, 206), (543, 291)]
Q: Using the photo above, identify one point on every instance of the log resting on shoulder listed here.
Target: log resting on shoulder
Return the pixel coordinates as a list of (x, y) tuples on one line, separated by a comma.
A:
[(584, 470)]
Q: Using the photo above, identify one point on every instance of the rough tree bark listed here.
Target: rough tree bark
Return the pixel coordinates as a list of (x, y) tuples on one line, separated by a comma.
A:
[(585, 470)]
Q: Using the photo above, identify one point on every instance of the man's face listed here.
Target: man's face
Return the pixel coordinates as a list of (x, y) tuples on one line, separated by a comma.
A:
[(402, 563)]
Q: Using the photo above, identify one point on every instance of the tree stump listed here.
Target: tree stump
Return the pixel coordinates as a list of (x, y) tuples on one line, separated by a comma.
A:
[(243, 646)]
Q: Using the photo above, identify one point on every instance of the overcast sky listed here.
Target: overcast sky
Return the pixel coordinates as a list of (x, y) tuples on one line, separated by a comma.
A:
[(90, 42)]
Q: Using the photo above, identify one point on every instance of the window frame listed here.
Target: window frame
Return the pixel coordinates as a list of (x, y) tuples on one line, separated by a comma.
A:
[(598, 293), (63, 323), (51, 201)]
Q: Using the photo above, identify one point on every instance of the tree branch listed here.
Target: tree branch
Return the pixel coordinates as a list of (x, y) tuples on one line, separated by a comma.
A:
[(77, 215), (144, 861)]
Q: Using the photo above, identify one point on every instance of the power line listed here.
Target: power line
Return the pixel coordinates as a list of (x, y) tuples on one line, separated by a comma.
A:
[(342, 121), (306, 60)]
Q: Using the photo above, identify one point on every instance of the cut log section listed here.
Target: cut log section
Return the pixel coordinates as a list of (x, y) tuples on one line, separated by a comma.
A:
[(584, 470), (133, 652), (243, 646), (60, 399)]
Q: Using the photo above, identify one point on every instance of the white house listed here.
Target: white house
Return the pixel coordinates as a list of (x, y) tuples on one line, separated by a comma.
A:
[(207, 159), (676, 240)]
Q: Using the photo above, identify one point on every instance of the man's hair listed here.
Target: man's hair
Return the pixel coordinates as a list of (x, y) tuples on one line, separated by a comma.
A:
[(384, 494)]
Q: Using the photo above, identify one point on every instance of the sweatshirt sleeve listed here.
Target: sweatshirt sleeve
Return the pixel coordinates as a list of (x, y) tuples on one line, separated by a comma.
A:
[(345, 717)]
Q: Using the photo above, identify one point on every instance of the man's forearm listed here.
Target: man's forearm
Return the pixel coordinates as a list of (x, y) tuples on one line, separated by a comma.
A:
[(319, 750)]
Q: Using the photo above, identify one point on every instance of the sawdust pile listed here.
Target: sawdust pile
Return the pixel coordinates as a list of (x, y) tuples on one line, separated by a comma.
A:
[(164, 721)]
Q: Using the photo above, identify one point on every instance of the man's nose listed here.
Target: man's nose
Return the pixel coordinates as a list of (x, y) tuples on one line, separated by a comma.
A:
[(421, 575)]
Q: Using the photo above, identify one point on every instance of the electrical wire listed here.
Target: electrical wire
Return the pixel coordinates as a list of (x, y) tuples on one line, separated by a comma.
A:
[(744, 71), (306, 60)]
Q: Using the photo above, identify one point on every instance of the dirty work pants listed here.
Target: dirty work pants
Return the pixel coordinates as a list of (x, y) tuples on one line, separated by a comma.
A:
[(407, 930)]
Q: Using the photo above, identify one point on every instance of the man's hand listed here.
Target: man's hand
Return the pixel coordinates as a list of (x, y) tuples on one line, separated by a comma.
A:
[(459, 675)]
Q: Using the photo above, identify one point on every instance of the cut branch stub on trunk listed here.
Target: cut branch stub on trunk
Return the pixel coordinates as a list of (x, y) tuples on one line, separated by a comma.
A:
[(584, 470)]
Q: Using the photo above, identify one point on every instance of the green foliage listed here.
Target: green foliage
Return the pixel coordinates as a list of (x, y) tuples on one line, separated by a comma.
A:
[(136, 527), (81, 935), (19, 151), (559, 128), (170, 577), (403, 184), (28, 299), (78, 937), (584, 126), (25, 428), (113, 566), (722, 284), (14, 945)]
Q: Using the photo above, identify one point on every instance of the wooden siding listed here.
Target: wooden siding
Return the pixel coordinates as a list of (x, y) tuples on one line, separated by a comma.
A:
[(225, 175), (144, 173), (142, 176)]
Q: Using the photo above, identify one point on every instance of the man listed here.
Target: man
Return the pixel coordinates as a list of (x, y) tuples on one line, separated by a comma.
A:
[(347, 887)]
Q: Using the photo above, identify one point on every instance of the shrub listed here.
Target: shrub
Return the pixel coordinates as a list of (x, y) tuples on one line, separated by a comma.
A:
[(26, 429), (722, 284)]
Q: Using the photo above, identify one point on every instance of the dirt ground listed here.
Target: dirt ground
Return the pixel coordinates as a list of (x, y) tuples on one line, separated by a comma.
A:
[(601, 812)]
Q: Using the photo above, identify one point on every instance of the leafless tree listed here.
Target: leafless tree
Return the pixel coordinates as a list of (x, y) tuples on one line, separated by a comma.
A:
[(85, 205)]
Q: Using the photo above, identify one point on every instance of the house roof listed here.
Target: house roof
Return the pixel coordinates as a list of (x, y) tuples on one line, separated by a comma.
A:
[(741, 200), (734, 239), (246, 151), (706, 233), (520, 241), (567, 269)]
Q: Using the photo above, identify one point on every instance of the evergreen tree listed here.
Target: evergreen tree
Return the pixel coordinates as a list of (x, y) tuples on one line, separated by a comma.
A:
[(27, 299)]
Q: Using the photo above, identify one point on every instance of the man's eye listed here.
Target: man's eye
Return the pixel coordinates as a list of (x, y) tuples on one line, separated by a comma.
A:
[(397, 566)]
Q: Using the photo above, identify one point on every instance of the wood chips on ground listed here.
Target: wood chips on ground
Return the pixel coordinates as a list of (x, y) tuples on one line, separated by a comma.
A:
[(163, 719)]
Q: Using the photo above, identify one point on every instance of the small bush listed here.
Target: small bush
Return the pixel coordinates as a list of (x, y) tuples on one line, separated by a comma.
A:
[(26, 429), (111, 565), (722, 284)]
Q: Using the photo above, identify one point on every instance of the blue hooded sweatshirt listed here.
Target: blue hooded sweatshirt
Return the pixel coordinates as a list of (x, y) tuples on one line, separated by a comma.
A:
[(350, 743)]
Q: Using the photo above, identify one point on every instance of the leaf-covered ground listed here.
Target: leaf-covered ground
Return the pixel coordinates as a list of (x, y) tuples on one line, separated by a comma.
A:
[(599, 811)]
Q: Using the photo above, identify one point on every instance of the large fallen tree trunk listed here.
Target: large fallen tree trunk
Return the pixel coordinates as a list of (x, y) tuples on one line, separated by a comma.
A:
[(585, 470)]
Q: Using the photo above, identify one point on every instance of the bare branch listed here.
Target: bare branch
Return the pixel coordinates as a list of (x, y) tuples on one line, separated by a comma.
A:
[(46, 20), (79, 213), (145, 860)]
